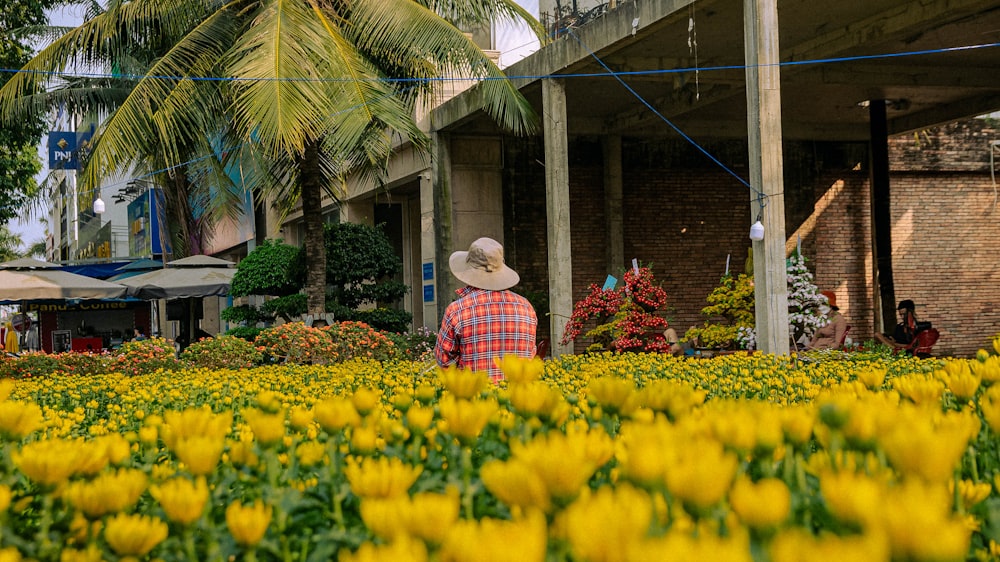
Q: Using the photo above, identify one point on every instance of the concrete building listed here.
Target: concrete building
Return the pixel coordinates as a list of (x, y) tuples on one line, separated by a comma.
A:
[(645, 152)]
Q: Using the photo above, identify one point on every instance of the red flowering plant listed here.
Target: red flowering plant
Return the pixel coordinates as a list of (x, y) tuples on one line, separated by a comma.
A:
[(625, 317), (297, 344), (357, 339), (140, 357)]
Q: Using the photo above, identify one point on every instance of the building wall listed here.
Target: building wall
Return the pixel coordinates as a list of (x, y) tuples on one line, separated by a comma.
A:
[(683, 218)]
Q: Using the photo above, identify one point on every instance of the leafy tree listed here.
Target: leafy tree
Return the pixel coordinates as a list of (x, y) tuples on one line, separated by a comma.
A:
[(316, 89), (271, 269), (10, 244), (361, 270), (730, 313), (18, 141)]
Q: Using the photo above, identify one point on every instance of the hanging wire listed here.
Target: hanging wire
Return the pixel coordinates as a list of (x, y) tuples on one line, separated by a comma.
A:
[(667, 121)]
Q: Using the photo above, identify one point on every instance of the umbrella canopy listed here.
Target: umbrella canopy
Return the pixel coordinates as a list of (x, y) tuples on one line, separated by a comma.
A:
[(137, 267), (28, 279), (197, 276)]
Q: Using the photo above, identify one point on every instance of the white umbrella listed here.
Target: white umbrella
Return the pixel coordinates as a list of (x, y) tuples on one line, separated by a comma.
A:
[(30, 279), (195, 276)]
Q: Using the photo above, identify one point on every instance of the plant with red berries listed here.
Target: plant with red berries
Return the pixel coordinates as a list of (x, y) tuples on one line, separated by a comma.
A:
[(625, 317)]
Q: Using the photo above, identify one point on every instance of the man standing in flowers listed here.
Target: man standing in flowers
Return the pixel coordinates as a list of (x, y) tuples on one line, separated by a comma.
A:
[(487, 321)]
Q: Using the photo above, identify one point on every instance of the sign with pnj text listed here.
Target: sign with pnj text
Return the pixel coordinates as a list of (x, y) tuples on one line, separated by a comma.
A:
[(68, 150)]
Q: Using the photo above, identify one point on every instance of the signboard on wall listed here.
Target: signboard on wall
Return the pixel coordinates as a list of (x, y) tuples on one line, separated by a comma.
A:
[(144, 220)]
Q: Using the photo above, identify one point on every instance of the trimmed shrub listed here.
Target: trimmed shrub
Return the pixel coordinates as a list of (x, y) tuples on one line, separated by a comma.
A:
[(28, 365), (248, 333), (357, 339), (222, 352), (297, 344), (140, 357)]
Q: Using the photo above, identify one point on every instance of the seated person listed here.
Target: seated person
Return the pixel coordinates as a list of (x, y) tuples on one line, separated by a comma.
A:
[(905, 331), (670, 335), (832, 333)]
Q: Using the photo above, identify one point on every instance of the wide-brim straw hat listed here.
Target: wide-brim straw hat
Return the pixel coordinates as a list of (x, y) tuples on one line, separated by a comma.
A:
[(831, 297), (483, 266)]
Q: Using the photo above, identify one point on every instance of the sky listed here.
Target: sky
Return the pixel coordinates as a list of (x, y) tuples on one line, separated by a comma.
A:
[(30, 228)]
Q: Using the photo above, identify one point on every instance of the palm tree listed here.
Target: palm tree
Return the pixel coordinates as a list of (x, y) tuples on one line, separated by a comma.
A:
[(310, 88), (10, 244)]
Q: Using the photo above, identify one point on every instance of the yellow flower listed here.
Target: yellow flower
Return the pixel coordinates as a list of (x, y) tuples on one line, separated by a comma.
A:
[(702, 474), (613, 394), (419, 418), (192, 423), (182, 500), (383, 477), (516, 484), (919, 388), (242, 453), (605, 525), (364, 440), (539, 399), (466, 418), (987, 369), (851, 497), (518, 370), (462, 383), (335, 414), (872, 377), (493, 540), (763, 504), (200, 454), (268, 428), (310, 453), (960, 379), (671, 397), (248, 524), (799, 545), (971, 492), (426, 516), (5, 497), (916, 447), (300, 418), (48, 462), (920, 523), (107, 493), (365, 400), (10, 554), (134, 535), (989, 405), (400, 550), (564, 462), (91, 554), (19, 419)]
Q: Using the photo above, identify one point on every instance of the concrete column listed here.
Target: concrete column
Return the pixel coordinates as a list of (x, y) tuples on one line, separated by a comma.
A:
[(881, 204), (612, 145), (443, 221), (760, 21), (557, 210), (428, 253)]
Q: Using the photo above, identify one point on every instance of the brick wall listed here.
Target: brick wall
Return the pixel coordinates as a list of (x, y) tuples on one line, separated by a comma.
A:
[(683, 216)]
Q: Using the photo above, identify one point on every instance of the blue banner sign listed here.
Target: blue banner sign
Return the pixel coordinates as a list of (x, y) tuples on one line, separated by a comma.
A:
[(68, 150)]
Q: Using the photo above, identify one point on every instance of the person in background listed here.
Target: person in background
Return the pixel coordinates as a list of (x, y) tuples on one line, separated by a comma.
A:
[(670, 336), (905, 331), (487, 321), (830, 335), (137, 335)]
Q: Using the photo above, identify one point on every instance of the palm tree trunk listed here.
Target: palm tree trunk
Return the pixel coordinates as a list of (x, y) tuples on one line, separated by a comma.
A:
[(311, 187)]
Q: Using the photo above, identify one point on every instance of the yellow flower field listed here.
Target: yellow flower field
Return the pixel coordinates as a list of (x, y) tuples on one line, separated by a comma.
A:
[(597, 458)]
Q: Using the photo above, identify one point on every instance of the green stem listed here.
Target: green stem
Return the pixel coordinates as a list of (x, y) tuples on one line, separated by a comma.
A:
[(189, 548), (467, 482)]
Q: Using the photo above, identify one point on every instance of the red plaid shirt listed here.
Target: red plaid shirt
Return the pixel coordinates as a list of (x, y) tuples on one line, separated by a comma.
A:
[(483, 326)]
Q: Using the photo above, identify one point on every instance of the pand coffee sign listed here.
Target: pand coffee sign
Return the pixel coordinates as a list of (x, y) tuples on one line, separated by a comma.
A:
[(73, 306)]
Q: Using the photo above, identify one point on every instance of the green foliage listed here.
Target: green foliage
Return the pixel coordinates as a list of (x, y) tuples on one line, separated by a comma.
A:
[(245, 332), (223, 352), (731, 307), (18, 138), (273, 268), (360, 266), (83, 364), (385, 319), (286, 307), (29, 365), (243, 314), (140, 357)]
